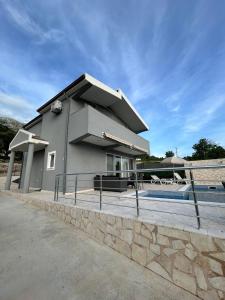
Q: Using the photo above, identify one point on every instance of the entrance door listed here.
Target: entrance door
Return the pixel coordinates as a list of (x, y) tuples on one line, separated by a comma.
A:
[(37, 169)]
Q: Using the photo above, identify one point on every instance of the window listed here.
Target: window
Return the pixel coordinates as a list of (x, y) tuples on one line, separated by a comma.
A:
[(51, 160)]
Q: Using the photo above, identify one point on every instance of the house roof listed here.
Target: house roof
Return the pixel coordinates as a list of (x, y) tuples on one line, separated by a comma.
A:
[(22, 140), (90, 89), (32, 122)]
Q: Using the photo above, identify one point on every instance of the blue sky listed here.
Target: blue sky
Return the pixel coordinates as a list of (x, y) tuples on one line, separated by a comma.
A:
[(167, 56)]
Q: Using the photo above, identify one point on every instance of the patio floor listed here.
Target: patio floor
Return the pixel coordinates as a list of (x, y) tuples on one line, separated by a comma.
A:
[(174, 214), (166, 212)]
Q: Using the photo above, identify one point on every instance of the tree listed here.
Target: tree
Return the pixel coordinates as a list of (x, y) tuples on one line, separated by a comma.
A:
[(146, 157), (6, 135), (169, 153), (206, 149), (8, 129)]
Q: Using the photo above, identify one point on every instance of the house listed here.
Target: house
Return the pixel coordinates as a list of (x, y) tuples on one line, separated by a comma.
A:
[(87, 127)]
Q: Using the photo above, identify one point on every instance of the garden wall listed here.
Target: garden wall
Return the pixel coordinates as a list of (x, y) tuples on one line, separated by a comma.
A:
[(207, 176)]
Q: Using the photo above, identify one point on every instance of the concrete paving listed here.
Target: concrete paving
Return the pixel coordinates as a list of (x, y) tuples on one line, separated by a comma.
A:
[(43, 258)]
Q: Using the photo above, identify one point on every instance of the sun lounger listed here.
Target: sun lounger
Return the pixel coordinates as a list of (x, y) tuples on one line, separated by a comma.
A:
[(179, 179), (156, 179)]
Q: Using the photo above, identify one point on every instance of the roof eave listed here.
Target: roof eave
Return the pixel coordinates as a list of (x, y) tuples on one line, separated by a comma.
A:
[(75, 82), (145, 126), (117, 93), (32, 122)]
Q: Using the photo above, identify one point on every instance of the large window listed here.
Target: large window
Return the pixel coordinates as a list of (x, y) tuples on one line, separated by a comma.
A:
[(51, 160), (119, 163)]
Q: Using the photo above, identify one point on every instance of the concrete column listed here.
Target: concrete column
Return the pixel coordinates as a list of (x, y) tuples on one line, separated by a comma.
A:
[(29, 162), (9, 172)]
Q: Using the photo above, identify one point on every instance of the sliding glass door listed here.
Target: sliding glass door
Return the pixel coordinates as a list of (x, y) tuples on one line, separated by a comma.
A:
[(125, 166), (119, 163), (110, 166)]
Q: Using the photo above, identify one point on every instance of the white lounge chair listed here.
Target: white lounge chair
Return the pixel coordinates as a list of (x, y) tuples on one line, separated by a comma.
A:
[(179, 179), (156, 179)]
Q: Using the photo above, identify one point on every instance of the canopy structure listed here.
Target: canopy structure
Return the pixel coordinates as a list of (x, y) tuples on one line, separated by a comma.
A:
[(28, 142), (22, 140), (136, 150), (173, 160)]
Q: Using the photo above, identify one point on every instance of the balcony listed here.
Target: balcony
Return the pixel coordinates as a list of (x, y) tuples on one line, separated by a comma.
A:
[(91, 126)]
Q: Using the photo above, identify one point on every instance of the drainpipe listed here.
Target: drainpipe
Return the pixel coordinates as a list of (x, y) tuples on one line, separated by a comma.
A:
[(66, 145), (78, 94)]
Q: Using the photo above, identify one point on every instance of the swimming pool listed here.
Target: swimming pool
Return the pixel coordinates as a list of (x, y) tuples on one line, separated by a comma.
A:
[(205, 193)]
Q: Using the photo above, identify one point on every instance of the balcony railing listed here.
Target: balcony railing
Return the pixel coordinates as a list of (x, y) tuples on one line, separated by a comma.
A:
[(182, 199)]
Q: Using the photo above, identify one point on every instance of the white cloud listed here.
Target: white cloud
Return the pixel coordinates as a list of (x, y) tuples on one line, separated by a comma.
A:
[(26, 23), (14, 101), (15, 107), (204, 113)]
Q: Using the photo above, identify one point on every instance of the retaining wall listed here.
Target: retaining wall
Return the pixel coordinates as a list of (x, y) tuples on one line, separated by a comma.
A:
[(193, 261), (207, 176)]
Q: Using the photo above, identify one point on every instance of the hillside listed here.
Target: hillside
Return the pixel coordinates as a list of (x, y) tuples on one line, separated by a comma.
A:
[(8, 129), (11, 123)]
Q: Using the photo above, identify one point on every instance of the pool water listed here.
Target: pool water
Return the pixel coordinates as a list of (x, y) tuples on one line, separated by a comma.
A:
[(204, 193), (209, 193)]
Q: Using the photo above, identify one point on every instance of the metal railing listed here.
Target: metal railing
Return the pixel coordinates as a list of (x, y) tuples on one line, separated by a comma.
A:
[(113, 189)]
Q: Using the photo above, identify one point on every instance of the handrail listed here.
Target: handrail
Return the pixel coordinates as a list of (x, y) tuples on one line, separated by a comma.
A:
[(148, 170), (193, 193)]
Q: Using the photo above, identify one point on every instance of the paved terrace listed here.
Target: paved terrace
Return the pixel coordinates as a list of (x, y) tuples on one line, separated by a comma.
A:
[(44, 258), (173, 214)]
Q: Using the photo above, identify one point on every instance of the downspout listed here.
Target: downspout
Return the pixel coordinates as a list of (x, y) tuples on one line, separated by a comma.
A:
[(66, 145), (78, 94)]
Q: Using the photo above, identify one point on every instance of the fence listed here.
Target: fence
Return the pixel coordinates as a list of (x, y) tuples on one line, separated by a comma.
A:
[(129, 190)]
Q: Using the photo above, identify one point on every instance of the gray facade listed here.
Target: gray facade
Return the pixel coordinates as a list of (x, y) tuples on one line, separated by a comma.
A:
[(79, 137)]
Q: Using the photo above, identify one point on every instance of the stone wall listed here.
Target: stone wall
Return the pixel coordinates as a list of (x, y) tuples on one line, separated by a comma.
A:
[(191, 260), (4, 169), (207, 176)]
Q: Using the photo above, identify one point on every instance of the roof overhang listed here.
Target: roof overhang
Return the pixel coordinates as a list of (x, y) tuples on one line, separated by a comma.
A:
[(91, 90), (33, 122), (22, 140)]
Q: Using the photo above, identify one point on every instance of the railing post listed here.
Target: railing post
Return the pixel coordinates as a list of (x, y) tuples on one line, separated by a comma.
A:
[(75, 196), (136, 187), (57, 190), (195, 200), (100, 189)]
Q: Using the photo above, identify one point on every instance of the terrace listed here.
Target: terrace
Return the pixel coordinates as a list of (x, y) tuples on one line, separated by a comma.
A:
[(152, 202)]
